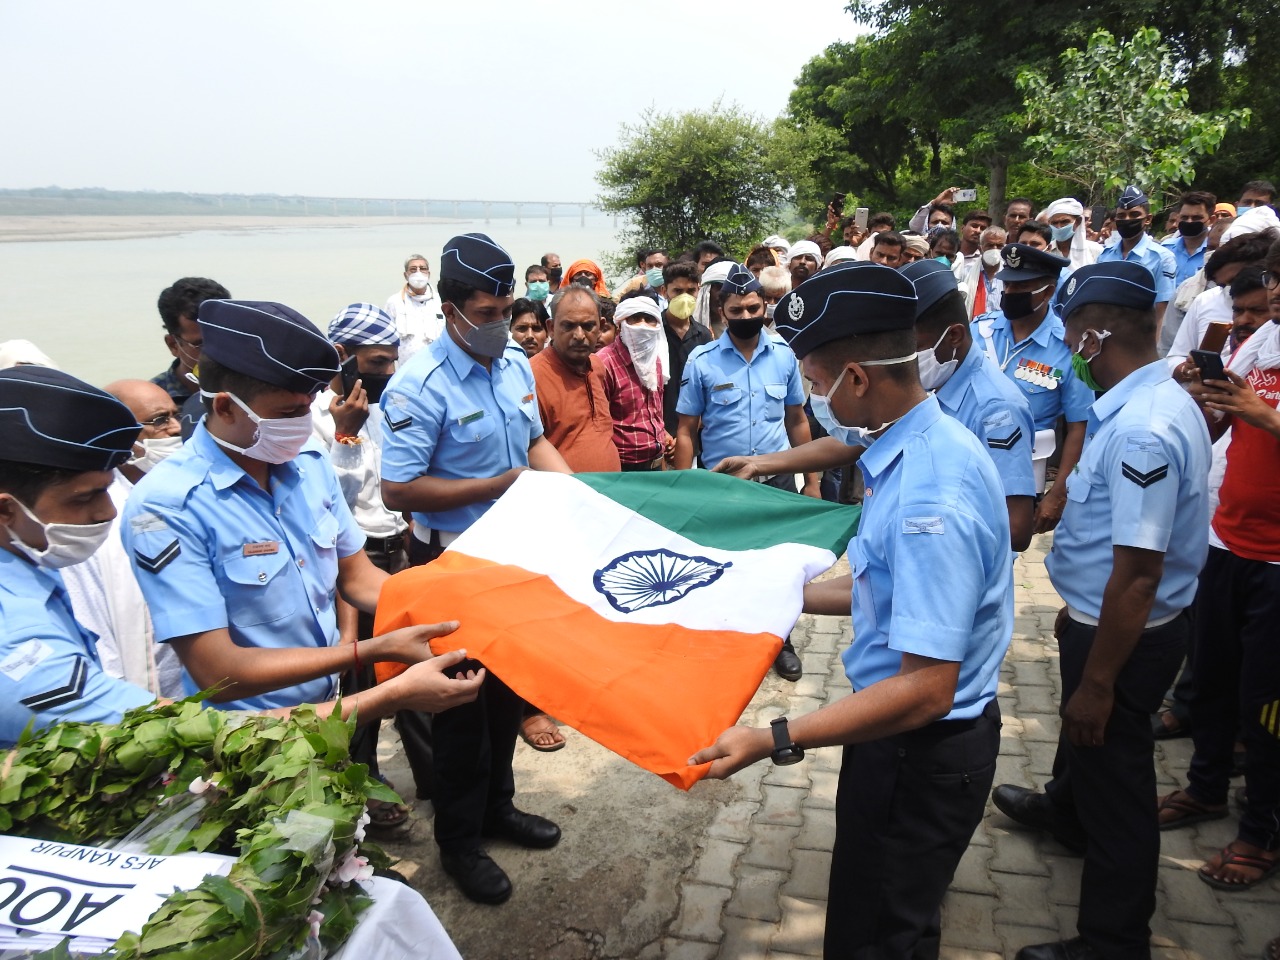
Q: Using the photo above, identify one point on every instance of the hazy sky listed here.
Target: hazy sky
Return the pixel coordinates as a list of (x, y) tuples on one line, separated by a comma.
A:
[(484, 99)]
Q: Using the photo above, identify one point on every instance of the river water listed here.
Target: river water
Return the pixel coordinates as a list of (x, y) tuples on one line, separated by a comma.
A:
[(91, 304)]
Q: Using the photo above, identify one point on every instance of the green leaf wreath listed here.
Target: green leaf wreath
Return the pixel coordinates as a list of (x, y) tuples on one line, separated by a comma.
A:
[(280, 794)]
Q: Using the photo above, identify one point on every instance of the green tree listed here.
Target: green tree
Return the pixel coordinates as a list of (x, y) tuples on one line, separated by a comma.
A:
[(685, 177), (1120, 115)]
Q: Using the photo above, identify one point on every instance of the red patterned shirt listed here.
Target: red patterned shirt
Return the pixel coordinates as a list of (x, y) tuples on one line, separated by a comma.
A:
[(638, 429)]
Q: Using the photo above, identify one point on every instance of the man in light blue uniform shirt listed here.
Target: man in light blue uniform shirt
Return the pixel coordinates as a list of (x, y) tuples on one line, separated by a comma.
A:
[(239, 539), (460, 424), (1125, 561), (1189, 244), (63, 440), (743, 396), (970, 388), (1024, 340), (921, 728), (1133, 243)]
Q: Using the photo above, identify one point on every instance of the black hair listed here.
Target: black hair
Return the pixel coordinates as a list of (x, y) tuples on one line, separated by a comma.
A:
[(543, 259), (944, 234), (1249, 248), (1027, 200), (27, 481), (183, 299), (889, 238), (523, 305), (455, 292), (215, 378), (1039, 228), (536, 268), (707, 246), (1198, 198), (762, 256), (978, 215), (647, 292), (946, 208), (677, 269), (1247, 280), (882, 220), (1260, 186), (947, 312)]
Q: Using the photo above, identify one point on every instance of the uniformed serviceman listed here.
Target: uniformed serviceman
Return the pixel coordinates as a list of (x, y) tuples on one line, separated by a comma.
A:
[(1134, 244), (1125, 560), (461, 423), (63, 439), (240, 538), (1024, 340), (921, 729)]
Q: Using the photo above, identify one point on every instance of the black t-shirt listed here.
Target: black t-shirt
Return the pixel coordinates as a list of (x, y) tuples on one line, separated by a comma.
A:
[(679, 348)]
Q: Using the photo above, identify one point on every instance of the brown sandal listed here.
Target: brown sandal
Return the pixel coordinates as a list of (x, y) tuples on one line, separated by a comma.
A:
[(1229, 857), (1180, 809), (541, 726)]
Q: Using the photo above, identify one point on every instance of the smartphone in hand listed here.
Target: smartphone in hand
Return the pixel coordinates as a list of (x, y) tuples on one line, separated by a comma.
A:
[(1210, 364)]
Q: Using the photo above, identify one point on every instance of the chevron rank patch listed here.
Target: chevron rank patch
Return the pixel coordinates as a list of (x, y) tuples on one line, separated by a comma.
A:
[(69, 692), (1008, 443), (1146, 478)]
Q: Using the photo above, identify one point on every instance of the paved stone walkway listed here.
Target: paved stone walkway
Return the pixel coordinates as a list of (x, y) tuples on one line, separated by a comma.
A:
[(745, 876)]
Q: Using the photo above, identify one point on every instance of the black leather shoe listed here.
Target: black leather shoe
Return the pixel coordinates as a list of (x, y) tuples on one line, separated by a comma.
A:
[(1031, 809), (477, 876), (1074, 949), (525, 829), (788, 664)]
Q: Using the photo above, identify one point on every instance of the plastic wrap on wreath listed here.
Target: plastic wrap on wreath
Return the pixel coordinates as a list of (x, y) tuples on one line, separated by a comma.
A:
[(165, 831)]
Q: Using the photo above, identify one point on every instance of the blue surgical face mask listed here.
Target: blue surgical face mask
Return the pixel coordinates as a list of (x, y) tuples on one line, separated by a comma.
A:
[(852, 436), (653, 277), (1064, 233), (538, 290), (1242, 207)]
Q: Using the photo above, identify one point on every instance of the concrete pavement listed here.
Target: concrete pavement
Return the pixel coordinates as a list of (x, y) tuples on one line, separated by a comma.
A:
[(739, 869)]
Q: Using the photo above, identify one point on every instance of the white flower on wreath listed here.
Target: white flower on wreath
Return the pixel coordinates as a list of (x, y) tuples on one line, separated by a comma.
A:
[(352, 867)]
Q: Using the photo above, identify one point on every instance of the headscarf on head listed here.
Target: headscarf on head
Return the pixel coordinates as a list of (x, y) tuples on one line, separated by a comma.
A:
[(716, 273), (779, 245), (645, 344), (14, 353), (807, 248), (589, 266), (1228, 208), (840, 255), (917, 245), (363, 325), (1251, 221), (1081, 253)]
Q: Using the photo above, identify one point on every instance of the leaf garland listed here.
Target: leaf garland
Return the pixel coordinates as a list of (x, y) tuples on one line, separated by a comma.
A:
[(283, 797)]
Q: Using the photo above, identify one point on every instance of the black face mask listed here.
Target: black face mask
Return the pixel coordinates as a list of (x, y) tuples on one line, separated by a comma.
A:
[(373, 383), (1017, 305), (746, 328), (1191, 228), (555, 274), (1129, 228)]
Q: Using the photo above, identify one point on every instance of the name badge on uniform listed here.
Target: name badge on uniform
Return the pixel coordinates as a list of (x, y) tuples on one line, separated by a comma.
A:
[(722, 386), (470, 418), (260, 549)]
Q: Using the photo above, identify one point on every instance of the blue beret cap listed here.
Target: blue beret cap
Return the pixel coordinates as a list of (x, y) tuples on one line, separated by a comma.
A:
[(475, 261), (1025, 262), (51, 419), (740, 282), (849, 299), (1121, 283), (269, 342), (932, 280), (1132, 197), (363, 325)]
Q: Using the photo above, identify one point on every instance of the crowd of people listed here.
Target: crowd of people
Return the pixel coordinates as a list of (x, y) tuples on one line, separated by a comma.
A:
[(227, 525)]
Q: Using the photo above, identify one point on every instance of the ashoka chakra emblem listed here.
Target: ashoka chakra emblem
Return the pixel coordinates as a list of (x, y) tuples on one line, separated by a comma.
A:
[(651, 578)]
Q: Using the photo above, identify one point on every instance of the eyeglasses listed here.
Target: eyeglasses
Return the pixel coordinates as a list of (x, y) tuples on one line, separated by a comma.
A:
[(1270, 279), (161, 420)]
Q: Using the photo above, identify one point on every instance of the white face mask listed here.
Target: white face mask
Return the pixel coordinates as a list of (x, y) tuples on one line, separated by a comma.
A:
[(853, 436), (68, 543), (768, 311), (154, 450), (277, 440), (932, 373), (991, 257), (418, 280), (642, 342)]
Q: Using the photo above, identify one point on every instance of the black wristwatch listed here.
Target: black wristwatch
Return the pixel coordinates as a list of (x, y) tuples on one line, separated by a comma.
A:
[(785, 751)]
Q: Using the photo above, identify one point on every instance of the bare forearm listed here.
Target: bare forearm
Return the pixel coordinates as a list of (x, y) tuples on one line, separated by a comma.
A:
[(830, 598), (437, 494), (1126, 606), (825, 453), (545, 457)]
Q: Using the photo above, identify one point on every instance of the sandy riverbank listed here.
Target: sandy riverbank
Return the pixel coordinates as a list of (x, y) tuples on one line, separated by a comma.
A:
[(29, 229)]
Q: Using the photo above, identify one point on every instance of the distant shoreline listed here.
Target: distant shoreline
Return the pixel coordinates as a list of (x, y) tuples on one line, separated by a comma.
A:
[(53, 227)]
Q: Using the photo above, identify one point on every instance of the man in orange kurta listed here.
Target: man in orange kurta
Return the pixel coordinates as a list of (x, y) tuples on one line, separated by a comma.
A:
[(570, 385)]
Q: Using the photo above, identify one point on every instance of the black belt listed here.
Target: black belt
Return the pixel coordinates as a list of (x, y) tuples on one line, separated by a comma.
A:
[(385, 544)]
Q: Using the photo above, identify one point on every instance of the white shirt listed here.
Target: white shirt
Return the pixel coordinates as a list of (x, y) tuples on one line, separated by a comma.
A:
[(1212, 306), (359, 469), (106, 599), (419, 319)]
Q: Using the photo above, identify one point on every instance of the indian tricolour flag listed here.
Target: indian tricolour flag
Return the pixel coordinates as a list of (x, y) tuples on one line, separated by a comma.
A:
[(642, 609)]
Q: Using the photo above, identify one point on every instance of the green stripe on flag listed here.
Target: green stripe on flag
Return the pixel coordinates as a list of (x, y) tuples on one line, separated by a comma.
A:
[(720, 511)]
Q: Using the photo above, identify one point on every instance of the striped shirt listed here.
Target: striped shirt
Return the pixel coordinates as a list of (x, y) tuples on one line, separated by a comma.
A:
[(638, 429)]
